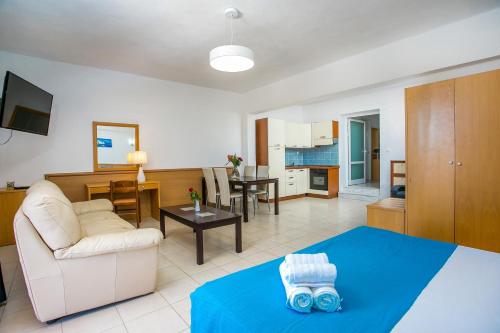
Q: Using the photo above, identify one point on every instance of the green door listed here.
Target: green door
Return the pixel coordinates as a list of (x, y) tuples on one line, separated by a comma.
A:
[(357, 152)]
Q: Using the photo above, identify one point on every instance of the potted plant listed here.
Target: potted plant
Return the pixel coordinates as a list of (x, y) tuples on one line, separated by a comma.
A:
[(195, 198), (236, 161)]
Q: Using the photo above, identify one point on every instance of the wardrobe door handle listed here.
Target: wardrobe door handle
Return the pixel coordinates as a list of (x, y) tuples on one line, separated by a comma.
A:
[(450, 162), (459, 163)]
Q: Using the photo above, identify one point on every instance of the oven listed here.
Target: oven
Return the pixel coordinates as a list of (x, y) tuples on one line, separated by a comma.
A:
[(318, 179)]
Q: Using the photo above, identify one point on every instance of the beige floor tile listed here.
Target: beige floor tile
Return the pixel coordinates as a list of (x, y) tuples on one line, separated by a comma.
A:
[(52, 328), (139, 306), (209, 275), (168, 274), (183, 308), (238, 265), (165, 320), (20, 322), (117, 329), (178, 290), (93, 321), (260, 258), (221, 258), (17, 303)]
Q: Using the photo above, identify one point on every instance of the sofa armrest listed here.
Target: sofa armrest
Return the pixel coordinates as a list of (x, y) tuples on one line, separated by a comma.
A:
[(98, 205), (111, 243)]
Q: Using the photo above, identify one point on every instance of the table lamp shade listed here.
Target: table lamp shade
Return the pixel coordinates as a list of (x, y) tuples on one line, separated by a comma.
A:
[(137, 157)]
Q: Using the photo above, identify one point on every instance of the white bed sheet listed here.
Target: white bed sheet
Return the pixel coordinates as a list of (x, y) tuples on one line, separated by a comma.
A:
[(464, 296)]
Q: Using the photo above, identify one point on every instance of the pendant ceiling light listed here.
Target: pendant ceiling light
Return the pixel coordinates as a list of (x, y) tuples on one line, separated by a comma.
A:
[(231, 58)]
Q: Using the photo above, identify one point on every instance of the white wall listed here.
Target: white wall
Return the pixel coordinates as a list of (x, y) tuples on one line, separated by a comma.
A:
[(473, 39), (180, 125)]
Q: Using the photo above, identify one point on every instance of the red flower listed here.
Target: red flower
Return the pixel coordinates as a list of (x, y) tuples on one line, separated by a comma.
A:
[(239, 158), (190, 189)]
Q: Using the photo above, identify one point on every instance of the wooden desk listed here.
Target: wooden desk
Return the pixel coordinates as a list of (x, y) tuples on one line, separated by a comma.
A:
[(10, 201), (152, 186), (387, 214)]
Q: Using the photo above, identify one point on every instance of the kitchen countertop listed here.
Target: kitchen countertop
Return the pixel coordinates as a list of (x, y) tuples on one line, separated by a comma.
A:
[(311, 167)]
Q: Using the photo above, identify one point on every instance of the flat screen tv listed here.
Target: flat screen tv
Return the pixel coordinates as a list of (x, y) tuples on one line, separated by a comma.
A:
[(24, 106)]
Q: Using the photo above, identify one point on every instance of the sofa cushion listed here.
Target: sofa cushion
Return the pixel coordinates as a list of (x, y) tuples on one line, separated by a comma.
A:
[(49, 188), (85, 207), (102, 222), (53, 217)]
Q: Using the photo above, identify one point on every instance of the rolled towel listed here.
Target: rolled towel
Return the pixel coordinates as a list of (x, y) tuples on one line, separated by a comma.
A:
[(326, 299), (297, 298), (302, 259), (309, 275)]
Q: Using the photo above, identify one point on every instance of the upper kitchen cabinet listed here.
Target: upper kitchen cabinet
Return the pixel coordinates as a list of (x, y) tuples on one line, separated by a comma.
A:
[(292, 135), (298, 135), (275, 132), (324, 133)]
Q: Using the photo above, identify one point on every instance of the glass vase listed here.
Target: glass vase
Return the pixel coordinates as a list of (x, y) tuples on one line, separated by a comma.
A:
[(236, 173)]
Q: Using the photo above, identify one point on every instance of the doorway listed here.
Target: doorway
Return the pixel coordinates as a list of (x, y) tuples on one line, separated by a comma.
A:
[(364, 151)]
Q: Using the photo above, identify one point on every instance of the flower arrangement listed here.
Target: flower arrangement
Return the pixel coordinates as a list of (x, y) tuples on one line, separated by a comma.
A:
[(195, 196), (235, 160)]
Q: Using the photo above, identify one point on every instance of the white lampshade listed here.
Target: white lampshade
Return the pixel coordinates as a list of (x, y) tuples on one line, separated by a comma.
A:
[(137, 157), (231, 58)]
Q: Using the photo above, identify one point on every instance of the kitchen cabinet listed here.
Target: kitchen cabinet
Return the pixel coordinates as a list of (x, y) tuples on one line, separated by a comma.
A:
[(297, 135), (293, 135), (296, 181), (275, 132), (277, 168), (324, 133), (302, 180)]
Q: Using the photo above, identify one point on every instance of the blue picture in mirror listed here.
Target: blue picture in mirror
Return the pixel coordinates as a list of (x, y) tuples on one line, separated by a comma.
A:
[(104, 143)]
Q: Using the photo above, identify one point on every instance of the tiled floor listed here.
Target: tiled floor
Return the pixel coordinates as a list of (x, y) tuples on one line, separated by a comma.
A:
[(302, 222)]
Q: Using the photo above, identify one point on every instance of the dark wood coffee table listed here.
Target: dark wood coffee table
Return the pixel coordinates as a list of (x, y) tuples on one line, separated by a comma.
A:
[(199, 223)]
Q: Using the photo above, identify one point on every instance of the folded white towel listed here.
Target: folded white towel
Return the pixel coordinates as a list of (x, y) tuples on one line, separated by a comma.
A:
[(302, 259), (297, 298), (326, 299), (309, 275)]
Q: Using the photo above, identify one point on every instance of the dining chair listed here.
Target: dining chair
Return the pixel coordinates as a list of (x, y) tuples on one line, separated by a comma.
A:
[(213, 196), (250, 171), (261, 190), (227, 198), (125, 193)]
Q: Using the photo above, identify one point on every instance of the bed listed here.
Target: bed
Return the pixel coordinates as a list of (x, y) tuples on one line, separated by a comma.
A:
[(388, 282)]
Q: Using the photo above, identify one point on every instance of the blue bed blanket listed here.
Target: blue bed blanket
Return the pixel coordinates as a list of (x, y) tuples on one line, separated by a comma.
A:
[(380, 274)]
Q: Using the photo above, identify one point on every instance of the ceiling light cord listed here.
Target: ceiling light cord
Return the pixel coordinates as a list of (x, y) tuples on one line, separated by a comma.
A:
[(6, 141), (231, 30)]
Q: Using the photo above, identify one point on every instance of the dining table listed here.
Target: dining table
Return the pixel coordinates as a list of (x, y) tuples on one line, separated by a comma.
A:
[(245, 182)]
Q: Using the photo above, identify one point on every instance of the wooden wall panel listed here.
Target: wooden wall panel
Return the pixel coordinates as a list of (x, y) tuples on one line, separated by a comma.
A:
[(477, 199), (174, 184), (430, 152)]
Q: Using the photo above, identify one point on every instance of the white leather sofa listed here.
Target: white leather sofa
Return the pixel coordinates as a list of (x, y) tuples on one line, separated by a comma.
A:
[(78, 256)]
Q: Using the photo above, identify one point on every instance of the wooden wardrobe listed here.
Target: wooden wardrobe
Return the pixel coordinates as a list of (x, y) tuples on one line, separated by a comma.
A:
[(453, 161)]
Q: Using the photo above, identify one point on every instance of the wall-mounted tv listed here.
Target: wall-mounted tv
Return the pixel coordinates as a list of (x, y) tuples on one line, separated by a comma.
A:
[(24, 106)]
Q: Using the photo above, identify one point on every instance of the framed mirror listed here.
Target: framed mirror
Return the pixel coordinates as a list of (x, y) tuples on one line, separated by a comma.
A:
[(112, 142)]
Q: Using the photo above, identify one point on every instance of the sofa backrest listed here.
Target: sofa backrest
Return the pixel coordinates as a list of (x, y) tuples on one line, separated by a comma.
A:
[(52, 215)]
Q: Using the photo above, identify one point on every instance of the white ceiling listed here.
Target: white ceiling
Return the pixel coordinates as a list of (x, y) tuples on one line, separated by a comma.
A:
[(170, 39)]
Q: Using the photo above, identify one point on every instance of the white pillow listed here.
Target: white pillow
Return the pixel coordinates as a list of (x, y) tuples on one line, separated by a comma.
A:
[(53, 217)]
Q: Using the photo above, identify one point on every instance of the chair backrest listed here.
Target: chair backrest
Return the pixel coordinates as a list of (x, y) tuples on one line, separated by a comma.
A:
[(250, 171), (120, 189), (223, 181), (263, 171), (208, 173)]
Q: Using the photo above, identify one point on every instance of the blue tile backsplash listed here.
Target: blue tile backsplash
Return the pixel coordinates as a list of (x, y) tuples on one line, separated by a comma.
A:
[(322, 155)]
